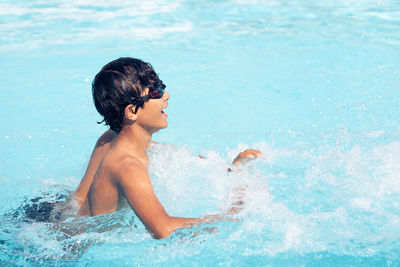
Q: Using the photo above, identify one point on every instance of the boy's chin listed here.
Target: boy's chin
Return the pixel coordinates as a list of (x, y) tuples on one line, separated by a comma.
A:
[(165, 125), (161, 127)]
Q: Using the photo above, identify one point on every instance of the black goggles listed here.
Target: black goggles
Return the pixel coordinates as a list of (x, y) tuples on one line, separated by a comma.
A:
[(157, 92)]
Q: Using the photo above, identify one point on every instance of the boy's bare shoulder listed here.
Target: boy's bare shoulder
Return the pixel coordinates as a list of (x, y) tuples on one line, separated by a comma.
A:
[(129, 167)]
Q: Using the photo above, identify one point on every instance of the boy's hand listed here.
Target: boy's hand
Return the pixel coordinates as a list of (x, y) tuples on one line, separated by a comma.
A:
[(247, 155)]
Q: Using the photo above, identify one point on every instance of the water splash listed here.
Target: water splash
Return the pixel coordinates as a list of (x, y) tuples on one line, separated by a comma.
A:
[(307, 200)]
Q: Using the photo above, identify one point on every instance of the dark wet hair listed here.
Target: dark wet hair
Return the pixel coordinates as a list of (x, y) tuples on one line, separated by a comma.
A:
[(120, 83)]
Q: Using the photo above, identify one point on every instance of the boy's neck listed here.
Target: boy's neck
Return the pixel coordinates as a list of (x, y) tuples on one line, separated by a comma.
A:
[(136, 140)]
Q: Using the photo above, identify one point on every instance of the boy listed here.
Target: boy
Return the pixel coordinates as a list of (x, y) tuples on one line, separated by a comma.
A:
[(131, 98)]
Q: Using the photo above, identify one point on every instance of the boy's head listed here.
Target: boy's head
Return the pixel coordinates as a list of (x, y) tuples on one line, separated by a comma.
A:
[(120, 83)]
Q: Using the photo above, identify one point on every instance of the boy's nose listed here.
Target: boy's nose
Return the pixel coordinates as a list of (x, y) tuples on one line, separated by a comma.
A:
[(166, 96)]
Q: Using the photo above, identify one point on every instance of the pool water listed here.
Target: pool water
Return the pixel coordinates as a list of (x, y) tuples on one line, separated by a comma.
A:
[(315, 86)]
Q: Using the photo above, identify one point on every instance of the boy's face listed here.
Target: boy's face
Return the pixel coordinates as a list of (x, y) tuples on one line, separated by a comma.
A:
[(151, 116)]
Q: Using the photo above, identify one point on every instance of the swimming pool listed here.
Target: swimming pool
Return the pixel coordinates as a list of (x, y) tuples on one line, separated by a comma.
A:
[(315, 86)]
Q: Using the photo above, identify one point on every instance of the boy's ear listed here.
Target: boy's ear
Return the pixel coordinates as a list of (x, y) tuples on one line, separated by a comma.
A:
[(130, 112)]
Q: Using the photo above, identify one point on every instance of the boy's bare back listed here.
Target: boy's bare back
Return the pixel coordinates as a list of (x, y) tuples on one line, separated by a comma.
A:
[(103, 196)]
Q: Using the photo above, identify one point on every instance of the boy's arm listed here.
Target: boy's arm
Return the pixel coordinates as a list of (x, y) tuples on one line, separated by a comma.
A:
[(134, 181)]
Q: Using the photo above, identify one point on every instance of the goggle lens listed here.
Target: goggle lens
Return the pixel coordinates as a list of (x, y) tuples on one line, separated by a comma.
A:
[(158, 92)]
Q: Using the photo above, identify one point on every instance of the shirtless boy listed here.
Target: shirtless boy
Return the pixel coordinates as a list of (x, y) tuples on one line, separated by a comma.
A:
[(131, 98)]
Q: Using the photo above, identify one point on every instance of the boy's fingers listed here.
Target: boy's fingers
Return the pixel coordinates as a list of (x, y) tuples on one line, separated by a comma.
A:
[(248, 154), (253, 153)]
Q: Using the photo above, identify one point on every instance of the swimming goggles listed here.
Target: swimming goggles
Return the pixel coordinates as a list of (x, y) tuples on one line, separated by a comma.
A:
[(157, 92)]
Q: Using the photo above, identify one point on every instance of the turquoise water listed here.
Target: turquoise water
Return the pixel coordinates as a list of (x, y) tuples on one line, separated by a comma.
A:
[(315, 86)]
